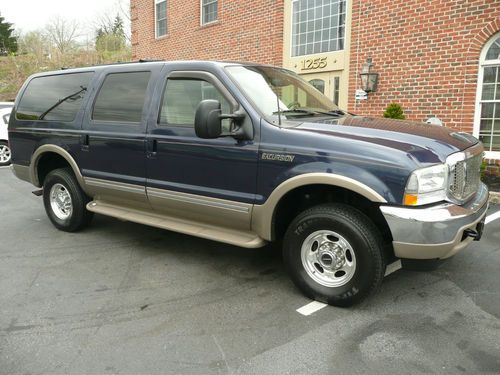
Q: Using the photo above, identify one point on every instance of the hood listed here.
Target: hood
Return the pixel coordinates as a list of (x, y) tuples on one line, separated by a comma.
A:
[(423, 142)]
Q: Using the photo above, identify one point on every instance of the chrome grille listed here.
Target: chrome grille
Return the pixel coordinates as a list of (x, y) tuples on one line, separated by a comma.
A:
[(464, 177)]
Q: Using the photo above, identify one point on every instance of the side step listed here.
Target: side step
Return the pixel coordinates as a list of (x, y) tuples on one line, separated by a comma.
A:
[(211, 232)]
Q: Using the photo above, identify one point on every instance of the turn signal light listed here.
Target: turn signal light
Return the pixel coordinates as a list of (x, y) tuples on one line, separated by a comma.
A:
[(410, 200)]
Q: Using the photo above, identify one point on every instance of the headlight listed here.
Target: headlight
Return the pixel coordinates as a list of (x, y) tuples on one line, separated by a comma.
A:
[(426, 185)]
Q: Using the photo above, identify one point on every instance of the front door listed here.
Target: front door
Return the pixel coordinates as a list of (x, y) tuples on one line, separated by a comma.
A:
[(203, 180), (328, 83)]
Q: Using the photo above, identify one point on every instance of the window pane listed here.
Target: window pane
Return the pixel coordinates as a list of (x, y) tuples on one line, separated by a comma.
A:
[(209, 10), (487, 110), (485, 126), (317, 19), (488, 92), (182, 97), (319, 84), (490, 74), (494, 51), (56, 98), (121, 97), (161, 18)]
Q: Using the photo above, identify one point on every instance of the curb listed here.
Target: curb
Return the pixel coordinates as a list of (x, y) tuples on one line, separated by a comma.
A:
[(494, 197)]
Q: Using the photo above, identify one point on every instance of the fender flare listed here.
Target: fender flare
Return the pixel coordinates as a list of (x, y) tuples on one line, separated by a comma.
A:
[(262, 215), (40, 151)]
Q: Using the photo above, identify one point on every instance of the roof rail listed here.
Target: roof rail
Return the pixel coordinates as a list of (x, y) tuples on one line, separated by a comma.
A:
[(115, 63)]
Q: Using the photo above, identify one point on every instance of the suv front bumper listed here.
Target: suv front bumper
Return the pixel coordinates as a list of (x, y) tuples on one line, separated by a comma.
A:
[(436, 231)]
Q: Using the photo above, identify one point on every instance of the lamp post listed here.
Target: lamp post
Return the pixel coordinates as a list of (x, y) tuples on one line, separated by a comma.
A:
[(369, 78)]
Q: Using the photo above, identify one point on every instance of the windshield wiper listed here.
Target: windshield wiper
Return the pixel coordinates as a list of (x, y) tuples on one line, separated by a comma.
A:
[(60, 101), (297, 111)]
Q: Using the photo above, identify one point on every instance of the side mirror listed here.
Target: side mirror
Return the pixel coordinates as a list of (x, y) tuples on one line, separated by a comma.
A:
[(207, 120)]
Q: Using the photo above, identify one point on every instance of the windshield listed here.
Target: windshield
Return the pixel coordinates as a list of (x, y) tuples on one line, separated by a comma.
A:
[(268, 87)]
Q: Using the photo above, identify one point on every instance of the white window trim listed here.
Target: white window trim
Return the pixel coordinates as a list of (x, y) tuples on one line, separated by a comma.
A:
[(201, 14), (156, 19), (477, 110)]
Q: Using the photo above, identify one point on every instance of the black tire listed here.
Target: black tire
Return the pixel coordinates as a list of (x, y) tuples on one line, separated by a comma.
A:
[(366, 271), (79, 217), (5, 150)]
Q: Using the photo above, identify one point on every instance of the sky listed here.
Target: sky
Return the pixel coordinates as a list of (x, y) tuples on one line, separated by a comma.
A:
[(28, 15)]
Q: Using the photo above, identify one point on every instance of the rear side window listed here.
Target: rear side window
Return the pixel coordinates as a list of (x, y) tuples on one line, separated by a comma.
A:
[(54, 98), (121, 97)]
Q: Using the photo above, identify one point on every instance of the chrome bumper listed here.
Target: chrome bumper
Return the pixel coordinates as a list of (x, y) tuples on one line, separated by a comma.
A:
[(437, 231)]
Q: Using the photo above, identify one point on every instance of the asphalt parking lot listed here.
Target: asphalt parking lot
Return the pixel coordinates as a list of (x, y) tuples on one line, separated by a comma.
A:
[(122, 298)]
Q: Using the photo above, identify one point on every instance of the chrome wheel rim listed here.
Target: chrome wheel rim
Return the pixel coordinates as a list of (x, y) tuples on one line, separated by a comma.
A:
[(60, 201), (4, 154), (328, 258)]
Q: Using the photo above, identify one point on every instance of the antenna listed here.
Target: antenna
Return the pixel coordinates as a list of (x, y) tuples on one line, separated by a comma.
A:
[(279, 111)]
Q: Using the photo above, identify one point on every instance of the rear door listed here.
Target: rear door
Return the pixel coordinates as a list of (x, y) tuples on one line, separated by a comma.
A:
[(112, 156), (206, 180)]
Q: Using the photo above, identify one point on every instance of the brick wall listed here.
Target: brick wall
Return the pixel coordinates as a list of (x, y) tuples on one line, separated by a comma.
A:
[(427, 54), (245, 31)]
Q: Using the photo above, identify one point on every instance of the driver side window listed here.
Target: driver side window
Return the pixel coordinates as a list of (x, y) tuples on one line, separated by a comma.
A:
[(181, 98)]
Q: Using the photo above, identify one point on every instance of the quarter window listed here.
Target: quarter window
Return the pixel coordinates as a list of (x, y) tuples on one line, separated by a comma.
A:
[(317, 26), (161, 18), (121, 97), (182, 97), (208, 11), (54, 98), (489, 96)]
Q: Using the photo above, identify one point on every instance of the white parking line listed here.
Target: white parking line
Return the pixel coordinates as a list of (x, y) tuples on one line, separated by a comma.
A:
[(5, 167), (311, 308), (492, 217)]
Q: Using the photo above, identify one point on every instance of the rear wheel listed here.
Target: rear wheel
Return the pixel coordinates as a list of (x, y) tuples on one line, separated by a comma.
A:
[(334, 254), (65, 202), (5, 153)]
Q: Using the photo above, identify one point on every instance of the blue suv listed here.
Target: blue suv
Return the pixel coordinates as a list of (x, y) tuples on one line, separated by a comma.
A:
[(247, 154)]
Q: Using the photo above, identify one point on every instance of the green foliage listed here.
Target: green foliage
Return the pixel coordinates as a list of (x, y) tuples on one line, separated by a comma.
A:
[(110, 37), (8, 42), (395, 111), (483, 168)]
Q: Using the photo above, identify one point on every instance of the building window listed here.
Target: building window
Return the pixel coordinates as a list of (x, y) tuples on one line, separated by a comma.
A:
[(317, 26), (488, 102), (161, 18), (208, 11), (336, 90)]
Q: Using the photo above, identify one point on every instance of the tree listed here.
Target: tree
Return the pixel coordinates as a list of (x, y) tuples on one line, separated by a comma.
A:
[(8, 42), (110, 36), (62, 33), (34, 43)]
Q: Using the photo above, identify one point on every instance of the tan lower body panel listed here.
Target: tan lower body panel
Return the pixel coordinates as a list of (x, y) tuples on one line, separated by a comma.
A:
[(231, 236)]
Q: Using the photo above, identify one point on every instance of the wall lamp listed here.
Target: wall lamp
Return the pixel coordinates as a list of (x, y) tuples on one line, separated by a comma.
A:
[(369, 78)]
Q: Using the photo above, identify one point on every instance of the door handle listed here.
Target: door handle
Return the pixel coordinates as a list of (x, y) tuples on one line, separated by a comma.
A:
[(84, 141), (152, 148)]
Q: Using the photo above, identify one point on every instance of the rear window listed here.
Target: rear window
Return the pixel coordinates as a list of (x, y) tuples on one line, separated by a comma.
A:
[(121, 97), (54, 98)]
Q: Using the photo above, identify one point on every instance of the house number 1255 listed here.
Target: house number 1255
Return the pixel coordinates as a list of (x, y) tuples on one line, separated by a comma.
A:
[(311, 64)]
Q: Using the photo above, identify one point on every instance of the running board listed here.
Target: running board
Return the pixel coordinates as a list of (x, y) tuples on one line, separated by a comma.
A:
[(211, 232)]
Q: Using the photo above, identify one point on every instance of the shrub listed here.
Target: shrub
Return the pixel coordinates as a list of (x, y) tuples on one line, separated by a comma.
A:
[(394, 110)]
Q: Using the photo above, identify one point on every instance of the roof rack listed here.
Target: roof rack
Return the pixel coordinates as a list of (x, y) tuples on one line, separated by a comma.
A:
[(116, 63)]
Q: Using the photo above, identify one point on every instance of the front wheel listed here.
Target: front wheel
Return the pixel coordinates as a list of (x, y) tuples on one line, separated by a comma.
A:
[(334, 254), (65, 202)]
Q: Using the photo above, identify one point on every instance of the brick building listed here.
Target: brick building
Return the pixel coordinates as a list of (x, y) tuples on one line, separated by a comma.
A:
[(437, 58)]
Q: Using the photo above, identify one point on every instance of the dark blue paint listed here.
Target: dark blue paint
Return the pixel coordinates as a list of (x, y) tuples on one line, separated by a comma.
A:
[(379, 153)]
